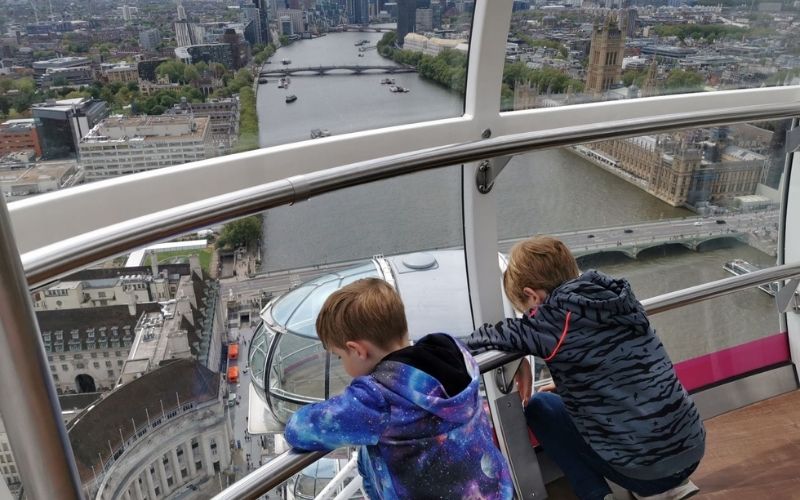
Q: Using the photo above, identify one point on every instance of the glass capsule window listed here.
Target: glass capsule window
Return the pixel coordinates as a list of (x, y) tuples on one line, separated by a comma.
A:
[(156, 85), (690, 207), (568, 54)]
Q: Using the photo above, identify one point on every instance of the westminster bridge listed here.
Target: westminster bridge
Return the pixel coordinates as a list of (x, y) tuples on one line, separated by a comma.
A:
[(335, 70)]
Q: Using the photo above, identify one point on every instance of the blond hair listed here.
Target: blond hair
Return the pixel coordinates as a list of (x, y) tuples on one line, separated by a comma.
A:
[(367, 309), (540, 262)]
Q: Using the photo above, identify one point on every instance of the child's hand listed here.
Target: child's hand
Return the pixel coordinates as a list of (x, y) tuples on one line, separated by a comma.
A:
[(524, 380), (547, 387)]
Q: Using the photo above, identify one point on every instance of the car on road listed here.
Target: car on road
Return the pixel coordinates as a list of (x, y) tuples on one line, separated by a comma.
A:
[(698, 223), (627, 231), (590, 236), (721, 221)]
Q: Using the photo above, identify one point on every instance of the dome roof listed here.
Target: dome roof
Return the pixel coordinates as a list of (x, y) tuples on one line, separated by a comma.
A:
[(297, 310)]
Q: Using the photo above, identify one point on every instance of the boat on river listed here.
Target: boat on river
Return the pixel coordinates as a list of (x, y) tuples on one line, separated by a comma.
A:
[(397, 89), (291, 98), (286, 61), (387, 81), (262, 81), (320, 132), (738, 267)]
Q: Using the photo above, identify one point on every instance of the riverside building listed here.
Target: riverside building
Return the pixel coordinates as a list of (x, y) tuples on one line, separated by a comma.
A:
[(223, 115), (681, 169)]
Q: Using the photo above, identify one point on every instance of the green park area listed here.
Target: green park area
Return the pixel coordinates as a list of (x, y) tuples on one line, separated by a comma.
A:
[(182, 256)]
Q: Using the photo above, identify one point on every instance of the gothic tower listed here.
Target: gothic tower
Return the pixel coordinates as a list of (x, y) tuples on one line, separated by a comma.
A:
[(605, 57), (524, 95), (650, 85)]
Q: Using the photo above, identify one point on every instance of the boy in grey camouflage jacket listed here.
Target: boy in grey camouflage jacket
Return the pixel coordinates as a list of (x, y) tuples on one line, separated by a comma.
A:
[(620, 412)]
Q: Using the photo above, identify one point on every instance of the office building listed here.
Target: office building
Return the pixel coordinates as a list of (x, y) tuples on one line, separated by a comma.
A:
[(406, 18), (122, 72), (264, 12), (296, 18), (150, 39), (120, 145), (357, 12), (21, 175), (8, 465), (147, 69), (433, 46), (67, 77), (223, 115), (40, 68), (61, 124), (19, 135), (112, 325), (424, 19), (237, 47), (251, 17), (208, 53)]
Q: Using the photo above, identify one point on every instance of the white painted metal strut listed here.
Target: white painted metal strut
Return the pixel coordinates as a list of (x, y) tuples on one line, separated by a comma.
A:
[(29, 403)]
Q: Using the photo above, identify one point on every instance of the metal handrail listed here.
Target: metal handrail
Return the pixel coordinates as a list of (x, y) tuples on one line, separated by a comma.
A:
[(289, 463), (57, 259)]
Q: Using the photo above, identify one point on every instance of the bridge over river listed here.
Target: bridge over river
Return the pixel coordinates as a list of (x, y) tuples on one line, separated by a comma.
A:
[(690, 232), (335, 70)]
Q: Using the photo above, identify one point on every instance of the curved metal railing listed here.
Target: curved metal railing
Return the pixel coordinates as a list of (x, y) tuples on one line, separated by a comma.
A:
[(55, 260), (281, 468)]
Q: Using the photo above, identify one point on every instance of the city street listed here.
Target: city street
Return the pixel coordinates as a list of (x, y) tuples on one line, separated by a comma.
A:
[(251, 453)]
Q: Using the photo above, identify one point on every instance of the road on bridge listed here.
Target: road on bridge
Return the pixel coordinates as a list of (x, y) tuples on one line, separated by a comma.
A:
[(580, 242), (670, 230)]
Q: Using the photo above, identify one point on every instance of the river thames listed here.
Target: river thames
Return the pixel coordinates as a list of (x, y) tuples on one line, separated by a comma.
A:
[(543, 192)]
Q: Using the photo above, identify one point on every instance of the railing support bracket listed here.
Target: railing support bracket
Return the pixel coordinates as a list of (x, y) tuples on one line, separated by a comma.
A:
[(488, 170), (792, 140), (787, 295)]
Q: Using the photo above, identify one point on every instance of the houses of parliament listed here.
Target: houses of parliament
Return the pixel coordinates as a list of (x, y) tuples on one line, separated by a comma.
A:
[(688, 168)]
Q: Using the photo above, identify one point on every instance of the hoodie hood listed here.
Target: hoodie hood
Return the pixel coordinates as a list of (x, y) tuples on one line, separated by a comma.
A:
[(424, 391), (597, 297)]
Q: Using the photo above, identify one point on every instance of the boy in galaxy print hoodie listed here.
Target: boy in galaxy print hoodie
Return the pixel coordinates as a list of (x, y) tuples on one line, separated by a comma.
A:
[(415, 410)]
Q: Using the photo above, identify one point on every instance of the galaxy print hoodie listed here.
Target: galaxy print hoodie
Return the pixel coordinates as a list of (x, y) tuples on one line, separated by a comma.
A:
[(419, 440), (612, 372)]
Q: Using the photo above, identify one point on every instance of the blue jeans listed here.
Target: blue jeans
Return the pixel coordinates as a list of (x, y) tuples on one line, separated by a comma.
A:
[(583, 467), (365, 471)]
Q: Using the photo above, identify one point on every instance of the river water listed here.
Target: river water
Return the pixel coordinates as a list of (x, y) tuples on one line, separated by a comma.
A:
[(542, 192)]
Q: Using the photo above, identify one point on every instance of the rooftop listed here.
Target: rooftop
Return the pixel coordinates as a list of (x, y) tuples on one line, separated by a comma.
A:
[(37, 171), (181, 380), (90, 324), (19, 124), (741, 154), (62, 104), (61, 61), (147, 128)]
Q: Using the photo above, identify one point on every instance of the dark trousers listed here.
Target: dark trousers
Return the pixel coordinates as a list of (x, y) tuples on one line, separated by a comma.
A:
[(584, 468)]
